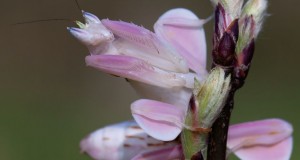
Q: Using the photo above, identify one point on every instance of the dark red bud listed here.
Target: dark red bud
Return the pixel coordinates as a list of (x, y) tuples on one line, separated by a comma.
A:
[(248, 53), (233, 29), (224, 55), (224, 50), (220, 23), (243, 63)]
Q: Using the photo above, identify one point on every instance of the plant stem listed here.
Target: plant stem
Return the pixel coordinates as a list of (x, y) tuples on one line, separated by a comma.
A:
[(218, 137)]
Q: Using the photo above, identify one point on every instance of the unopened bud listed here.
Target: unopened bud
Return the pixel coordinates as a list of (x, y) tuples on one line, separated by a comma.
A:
[(246, 33), (256, 9), (204, 109), (250, 22), (243, 64), (250, 25), (232, 7), (211, 97), (224, 49)]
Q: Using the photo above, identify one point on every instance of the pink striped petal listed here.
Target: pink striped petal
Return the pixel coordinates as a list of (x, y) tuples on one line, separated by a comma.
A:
[(160, 120), (167, 153), (183, 29), (280, 151), (135, 69), (260, 140), (144, 44)]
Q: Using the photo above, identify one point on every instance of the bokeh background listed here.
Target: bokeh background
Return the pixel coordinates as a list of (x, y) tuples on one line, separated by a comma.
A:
[(49, 99)]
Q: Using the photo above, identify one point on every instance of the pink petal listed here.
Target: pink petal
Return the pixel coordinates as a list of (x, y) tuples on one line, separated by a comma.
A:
[(146, 43), (259, 140), (183, 29), (279, 151), (167, 153), (160, 120), (178, 97), (135, 69)]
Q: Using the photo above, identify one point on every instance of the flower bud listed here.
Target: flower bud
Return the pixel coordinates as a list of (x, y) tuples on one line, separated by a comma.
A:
[(249, 26), (243, 64), (251, 22), (232, 7), (246, 33), (211, 97), (225, 38), (257, 9), (224, 54), (204, 109)]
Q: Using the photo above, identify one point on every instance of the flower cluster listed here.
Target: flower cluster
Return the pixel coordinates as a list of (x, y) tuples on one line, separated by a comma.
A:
[(258, 140), (161, 66), (167, 68)]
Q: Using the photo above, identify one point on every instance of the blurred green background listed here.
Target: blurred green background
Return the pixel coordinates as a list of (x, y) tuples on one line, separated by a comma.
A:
[(49, 99)]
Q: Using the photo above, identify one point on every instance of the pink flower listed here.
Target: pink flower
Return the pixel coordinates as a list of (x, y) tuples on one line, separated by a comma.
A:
[(259, 140), (161, 66), (133, 52), (165, 121)]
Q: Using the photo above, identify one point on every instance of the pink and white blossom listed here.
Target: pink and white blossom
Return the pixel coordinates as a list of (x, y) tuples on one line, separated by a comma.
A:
[(259, 140), (161, 66), (164, 66)]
